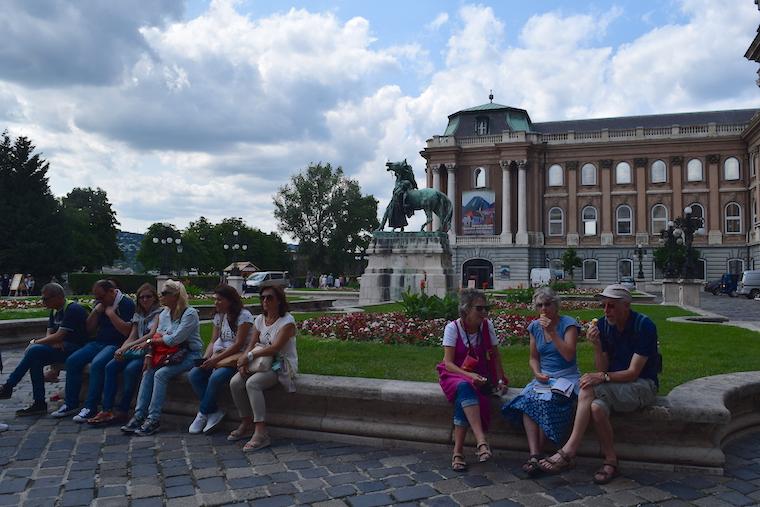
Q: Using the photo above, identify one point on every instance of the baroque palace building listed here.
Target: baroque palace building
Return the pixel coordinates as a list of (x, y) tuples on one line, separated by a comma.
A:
[(524, 192)]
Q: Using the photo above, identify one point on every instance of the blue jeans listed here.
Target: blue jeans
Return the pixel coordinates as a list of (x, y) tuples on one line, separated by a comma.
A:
[(96, 353), (150, 398), (132, 369), (206, 384), (466, 397), (35, 358)]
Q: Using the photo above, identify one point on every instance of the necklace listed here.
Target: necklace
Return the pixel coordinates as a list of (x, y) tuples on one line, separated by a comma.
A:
[(270, 320)]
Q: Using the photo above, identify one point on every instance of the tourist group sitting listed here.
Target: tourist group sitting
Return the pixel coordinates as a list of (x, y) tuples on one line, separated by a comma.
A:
[(149, 345)]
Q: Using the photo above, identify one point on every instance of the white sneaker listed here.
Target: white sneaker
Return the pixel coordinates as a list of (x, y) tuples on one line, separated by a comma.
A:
[(213, 420), (83, 415), (3, 427), (198, 424), (64, 411)]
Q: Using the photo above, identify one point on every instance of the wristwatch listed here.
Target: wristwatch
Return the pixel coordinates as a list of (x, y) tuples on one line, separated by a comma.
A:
[(606, 377), (148, 341)]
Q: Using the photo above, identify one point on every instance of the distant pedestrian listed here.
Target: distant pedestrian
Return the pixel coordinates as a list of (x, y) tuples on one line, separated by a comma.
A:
[(330, 280), (5, 284)]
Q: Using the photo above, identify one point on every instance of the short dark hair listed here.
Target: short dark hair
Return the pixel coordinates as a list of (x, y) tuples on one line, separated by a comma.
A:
[(104, 285), (282, 302), (53, 289)]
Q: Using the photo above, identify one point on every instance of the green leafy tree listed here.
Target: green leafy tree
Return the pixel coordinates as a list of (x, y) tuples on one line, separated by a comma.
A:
[(154, 255), (34, 239), (201, 246), (328, 215), (570, 261), (91, 224)]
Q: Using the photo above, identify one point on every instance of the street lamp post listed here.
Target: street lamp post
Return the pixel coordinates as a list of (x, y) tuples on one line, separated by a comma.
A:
[(166, 246), (235, 246), (640, 252)]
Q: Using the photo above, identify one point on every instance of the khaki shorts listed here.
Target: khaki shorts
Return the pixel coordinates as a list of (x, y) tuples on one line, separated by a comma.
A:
[(625, 396)]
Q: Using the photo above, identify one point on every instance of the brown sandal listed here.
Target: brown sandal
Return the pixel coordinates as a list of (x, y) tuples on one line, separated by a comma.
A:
[(557, 465), (458, 464), (101, 418), (484, 452), (602, 476), (531, 467)]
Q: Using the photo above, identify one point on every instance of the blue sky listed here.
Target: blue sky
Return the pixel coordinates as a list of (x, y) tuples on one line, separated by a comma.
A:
[(180, 109)]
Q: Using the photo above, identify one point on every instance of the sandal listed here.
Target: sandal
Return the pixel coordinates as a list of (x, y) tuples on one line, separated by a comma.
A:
[(484, 452), (101, 418), (257, 442), (531, 467), (458, 464), (560, 464), (239, 434), (602, 476)]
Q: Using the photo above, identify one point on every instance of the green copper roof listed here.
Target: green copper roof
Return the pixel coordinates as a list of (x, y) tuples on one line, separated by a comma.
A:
[(452, 126), (489, 106)]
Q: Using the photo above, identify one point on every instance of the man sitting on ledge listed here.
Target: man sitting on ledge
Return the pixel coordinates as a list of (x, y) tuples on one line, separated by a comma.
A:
[(626, 355), (66, 333)]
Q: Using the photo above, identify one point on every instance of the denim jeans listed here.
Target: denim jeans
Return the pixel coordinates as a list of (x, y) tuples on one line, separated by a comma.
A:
[(96, 353), (35, 358), (466, 397), (206, 384), (150, 398), (132, 370)]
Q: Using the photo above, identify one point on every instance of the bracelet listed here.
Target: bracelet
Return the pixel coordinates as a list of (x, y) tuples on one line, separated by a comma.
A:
[(148, 355), (249, 355)]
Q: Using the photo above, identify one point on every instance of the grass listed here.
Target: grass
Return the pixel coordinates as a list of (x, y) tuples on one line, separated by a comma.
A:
[(29, 313)]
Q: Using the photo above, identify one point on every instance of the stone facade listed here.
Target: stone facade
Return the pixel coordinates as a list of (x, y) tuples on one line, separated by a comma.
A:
[(603, 186)]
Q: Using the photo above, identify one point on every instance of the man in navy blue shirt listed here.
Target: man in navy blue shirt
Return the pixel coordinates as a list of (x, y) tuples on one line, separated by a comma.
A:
[(66, 333), (627, 360), (110, 321)]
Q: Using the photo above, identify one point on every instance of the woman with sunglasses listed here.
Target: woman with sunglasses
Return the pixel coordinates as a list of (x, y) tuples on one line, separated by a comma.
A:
[(129, 359), (470, 371), (543, 412), (274, 336), (178, 325)]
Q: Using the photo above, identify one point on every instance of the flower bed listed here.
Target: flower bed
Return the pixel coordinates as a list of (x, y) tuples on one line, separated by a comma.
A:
[(20, 304), (398, 328), (564, 305)]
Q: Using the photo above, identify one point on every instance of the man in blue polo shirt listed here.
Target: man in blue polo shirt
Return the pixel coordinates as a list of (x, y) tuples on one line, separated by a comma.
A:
[(627, 360), (110, 321), (66, 333)]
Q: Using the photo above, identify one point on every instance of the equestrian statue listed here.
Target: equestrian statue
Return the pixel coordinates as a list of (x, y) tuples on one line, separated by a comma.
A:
[(407, 199)]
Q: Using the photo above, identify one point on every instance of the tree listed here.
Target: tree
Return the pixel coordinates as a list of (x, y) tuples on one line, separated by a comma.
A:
[(158, 255), (570, 261), (328, 215), (91, 225), (201, 246), (32, 235)]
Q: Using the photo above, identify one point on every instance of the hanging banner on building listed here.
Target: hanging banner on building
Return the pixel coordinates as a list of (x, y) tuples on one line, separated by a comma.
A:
[(478, 208)]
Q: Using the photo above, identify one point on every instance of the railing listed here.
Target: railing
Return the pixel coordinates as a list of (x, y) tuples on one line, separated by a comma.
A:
[(592, 134), (478, 240), (466, 141), (658, 131), (622, 133), (694, 129), (736, 128)]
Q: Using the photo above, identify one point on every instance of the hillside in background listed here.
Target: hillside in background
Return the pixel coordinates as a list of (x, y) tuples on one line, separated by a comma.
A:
[(129, 244)]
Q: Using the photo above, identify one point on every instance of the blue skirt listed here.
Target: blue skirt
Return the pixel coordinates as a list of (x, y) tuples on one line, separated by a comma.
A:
[(553, 416)]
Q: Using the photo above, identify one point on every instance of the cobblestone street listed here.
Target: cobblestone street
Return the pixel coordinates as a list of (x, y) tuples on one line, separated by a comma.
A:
[(52, 462)]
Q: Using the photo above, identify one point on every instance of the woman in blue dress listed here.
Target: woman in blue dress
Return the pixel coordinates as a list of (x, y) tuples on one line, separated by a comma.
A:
[(545, 414)]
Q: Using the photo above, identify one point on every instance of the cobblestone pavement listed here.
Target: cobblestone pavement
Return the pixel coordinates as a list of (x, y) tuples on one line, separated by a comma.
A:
[(735, 308), (52, 462)]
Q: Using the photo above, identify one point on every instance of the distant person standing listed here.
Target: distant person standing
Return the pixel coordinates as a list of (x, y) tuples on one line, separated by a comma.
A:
[(5, 285), (29, 285), (330, 280)]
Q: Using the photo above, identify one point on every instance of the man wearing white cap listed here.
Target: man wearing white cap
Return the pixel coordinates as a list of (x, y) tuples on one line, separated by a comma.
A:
[(627, 360)]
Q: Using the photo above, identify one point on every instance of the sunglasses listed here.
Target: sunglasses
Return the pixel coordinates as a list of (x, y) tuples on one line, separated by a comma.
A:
[(147, 296), (167, 293), (47, 298), (543, 305), (267, 297), (483, 308)]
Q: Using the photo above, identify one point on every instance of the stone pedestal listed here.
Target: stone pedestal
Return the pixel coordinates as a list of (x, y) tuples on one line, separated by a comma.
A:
[(399, 261), (682, 292), (236, 282), (160, 282)]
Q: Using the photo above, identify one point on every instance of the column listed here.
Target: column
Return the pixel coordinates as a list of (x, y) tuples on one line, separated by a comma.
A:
[(506, 202), (522, 203), (676, 178), (571, 217), (451, 194), (436, 186), (605, 172), (711, 175), (642, 213)]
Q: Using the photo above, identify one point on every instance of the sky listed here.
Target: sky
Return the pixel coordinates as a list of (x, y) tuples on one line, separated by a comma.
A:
[(186, 108)]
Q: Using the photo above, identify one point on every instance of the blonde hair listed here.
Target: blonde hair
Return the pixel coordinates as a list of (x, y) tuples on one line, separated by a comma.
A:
[(178, 288)]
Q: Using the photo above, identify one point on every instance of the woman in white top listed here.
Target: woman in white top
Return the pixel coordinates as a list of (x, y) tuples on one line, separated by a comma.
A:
[(274, 335), (233, 329)]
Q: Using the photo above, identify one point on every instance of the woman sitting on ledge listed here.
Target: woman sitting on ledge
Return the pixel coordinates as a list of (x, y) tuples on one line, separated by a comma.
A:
[(470, 371), (545, 413), (270, 358)]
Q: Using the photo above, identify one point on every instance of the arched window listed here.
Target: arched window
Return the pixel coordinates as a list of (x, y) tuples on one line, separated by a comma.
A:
[(698, 211), (555, 176), (624, 220), (731, 169), (659, 218), (588, 174), (589, 221), (733, 215), (657, 273), (481, 126), (625, 268), (480, 177), (590, 269), (556, 222), (659, 173), (623, 173), (694, 170), (735, 266)]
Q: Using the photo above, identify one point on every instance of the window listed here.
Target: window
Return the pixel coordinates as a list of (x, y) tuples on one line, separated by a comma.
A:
[(731, 169), (588, 174), (701, 269), (589, 221), (623, 173), (556, 222), (625, 268), (733, 218), (555, 176), (753, 165), (480, 177), (694, 170), (659, 172), (657, 271), (735, 266), (624, 220), (698, 211), (754, 211), (589, 269), (481, 126), (659, 218)]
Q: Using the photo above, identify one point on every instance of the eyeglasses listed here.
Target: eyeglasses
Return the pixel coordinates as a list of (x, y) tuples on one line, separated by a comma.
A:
[(543, 305), (267, 297), (483, 308), (167, 293), (148, 296)]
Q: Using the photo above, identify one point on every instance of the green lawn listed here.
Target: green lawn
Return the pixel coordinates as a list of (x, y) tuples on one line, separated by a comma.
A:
[(31, 313)]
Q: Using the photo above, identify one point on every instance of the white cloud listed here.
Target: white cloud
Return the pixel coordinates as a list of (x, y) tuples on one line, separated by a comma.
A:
[(441, 19)]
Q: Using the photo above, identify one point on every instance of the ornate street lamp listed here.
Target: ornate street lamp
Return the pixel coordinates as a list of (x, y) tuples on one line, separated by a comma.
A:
[(166, 247), (234, 246), (681, 233), (640, 252)]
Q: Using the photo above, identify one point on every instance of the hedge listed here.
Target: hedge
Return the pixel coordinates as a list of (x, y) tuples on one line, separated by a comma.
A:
[(81, 283)]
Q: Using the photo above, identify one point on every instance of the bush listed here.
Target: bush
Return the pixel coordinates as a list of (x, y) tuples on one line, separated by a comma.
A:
[(427, 307), (193, 290), (562, 285), (81, 283), (524, 296)]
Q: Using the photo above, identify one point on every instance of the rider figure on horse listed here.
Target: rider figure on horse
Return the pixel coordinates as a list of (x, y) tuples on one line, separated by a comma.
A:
[(404, 182)]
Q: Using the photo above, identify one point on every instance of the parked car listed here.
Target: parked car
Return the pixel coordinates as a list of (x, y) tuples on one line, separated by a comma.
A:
[(728, 284), (628, 282), (256, 281), (540, 277), (750, 284), (712, 286)]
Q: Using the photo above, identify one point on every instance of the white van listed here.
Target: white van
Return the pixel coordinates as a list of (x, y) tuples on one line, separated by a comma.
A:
[(256, 281), (749, 285), (540, 277)]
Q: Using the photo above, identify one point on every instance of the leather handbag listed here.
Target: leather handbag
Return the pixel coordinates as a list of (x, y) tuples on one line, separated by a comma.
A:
[(229, 361), (260, 363)]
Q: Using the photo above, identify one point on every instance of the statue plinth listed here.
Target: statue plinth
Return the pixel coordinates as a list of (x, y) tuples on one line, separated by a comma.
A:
[(681, 291), (401, 261)]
